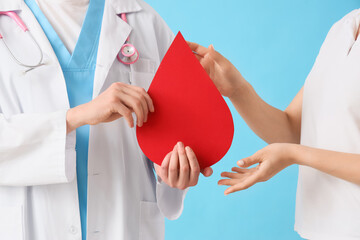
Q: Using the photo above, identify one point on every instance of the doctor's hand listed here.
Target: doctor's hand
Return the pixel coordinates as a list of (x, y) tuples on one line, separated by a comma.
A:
[(119, 100), (180, 168), (271, 160), (222, 72)]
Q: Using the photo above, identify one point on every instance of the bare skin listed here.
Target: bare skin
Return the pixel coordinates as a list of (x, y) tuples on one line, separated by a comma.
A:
[(180, 168), (281, 129)]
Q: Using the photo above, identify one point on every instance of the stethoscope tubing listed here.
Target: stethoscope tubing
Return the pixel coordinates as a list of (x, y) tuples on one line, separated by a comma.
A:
[(126, 58), (22, 25), (31, 67)]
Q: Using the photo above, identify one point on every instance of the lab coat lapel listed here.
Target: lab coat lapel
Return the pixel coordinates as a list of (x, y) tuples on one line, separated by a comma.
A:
[(30, 21), (114, 32)]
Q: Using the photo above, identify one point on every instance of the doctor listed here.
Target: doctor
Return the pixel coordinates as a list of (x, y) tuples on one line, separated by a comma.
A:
[(320, 131), (59, 178)]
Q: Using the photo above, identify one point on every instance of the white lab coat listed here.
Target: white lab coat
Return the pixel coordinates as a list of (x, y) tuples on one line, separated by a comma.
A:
[(38, 189)]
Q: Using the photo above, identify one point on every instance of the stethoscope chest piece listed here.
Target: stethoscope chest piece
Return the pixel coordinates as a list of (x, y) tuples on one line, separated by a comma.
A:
[(128, 54)]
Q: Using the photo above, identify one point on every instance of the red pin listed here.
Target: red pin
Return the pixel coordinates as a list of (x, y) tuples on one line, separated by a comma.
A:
[(188, 108)]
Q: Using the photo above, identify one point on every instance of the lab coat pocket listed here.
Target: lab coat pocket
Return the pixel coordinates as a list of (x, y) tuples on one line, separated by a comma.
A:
[(152, 222), (11, 223), (142, 73)]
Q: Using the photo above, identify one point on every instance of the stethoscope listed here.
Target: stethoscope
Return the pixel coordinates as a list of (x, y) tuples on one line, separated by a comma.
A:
[(128, 53), (22, 25)]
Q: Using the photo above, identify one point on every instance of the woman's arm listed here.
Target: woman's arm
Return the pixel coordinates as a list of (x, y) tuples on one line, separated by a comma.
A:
[(269, 123), (275, 157)]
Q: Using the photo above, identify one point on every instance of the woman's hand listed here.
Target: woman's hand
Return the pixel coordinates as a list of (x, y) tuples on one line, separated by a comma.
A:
[(271, 160), (119, 100), (180, 168), (222, 72)]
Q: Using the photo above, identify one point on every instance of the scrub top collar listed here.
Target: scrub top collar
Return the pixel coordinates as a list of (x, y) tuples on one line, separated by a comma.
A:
[(81, 57)]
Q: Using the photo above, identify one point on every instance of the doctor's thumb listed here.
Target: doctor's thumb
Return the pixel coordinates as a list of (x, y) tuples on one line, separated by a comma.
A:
[(207, 172)]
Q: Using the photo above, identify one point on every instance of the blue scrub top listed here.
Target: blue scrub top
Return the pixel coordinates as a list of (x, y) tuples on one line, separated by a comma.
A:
[(79, 71)]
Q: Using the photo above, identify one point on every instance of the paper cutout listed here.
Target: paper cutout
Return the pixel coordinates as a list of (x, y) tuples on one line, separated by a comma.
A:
[(188, 108)]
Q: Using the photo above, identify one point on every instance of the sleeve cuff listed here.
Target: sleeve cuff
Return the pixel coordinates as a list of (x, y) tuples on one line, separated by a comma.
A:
[(170, 200)]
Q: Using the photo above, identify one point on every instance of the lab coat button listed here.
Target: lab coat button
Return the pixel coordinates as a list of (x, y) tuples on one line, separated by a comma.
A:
[(73, 230)]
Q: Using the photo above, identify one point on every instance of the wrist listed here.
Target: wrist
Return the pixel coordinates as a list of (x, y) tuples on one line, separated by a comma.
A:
[(74, 119), (240, 90), (294, 151)]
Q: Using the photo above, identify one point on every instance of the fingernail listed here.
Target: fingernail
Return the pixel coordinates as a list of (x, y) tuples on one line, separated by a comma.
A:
[(241, 163), (181, 145)]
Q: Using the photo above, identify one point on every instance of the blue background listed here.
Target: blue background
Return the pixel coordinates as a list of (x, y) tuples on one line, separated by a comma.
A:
[(274, 45)]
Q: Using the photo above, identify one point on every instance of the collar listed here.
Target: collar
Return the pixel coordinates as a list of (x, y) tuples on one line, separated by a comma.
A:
[(10, 5), (120, 6)]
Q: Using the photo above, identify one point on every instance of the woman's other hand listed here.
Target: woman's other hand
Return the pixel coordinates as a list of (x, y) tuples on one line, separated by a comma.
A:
[(271, 160)]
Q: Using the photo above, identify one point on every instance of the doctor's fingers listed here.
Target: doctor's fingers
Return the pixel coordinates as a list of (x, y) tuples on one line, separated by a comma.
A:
[(140, 97), (173, 174), (194, 166), (144, 94), (125, 112), (184, 170), (134, 104), (164, 168)]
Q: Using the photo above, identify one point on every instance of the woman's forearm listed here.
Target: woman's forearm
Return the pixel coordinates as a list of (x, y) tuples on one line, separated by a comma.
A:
[(338, 164), (269, 123)]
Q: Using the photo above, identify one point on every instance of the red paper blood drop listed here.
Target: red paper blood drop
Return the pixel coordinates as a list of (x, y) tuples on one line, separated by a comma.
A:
[(188, 108)]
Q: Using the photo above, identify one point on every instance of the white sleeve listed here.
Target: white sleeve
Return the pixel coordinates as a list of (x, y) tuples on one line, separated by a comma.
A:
[(170, 200), (35, 150)]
